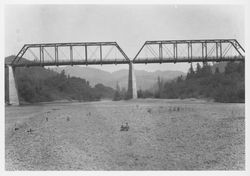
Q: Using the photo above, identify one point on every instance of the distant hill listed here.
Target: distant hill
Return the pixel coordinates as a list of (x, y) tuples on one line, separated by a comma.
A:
[(9, 59), (144, 80)]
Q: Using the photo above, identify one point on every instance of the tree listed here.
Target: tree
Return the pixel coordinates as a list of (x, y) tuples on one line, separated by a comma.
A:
[(159, 83), (62, 74), (140, 93), (222, 87), (180, 78), (198, 70), (117, 95), (217, 71), (118, 87), (206, 70), (191, 72), (231, 68), (160, 87)]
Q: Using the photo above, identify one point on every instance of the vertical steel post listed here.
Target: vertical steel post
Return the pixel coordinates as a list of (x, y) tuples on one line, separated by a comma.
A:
[(220, 50), (176, 50), (202, 50), (205, 45), (42, 55), (190, 51), (216, 46), (86, 54), (71, 54), (56, 55), (160, 52), (101, 53)]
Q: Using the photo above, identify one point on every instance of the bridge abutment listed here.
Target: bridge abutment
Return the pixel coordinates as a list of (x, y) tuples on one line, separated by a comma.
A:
[(12, 91), (132, 90)]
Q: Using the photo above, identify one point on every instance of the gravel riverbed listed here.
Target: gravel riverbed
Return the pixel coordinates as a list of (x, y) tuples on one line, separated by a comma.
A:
[(162, 135)]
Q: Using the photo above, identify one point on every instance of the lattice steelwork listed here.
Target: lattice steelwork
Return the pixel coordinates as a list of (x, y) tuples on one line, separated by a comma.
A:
[(98, 53), (173, 51), (88, 53)]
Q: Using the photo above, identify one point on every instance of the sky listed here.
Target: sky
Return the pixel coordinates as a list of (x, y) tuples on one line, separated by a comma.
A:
[(129, 25)]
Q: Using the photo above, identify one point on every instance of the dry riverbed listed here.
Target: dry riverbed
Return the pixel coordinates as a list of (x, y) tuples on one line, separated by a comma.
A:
[(162, 135)]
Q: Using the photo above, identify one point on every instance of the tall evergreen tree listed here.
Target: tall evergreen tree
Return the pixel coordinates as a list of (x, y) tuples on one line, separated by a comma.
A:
[(217, 71), (118, 87), (198, 70), (191, 72), (117, 95), (160, 85), (206, 70)]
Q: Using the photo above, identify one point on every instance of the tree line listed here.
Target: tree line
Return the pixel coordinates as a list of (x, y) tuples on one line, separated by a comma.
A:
[(202, 82), (40, 84)]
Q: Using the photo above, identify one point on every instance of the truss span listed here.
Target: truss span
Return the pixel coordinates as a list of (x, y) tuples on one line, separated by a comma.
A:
[(55, 54), (173, 51), (98, 53)]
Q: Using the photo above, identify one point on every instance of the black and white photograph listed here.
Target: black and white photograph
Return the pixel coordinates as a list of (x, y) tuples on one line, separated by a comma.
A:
[(124, 87)]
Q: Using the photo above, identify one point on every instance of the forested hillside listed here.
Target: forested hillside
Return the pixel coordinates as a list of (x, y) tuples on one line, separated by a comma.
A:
[(202, 82), (37, 84), (144, 79)]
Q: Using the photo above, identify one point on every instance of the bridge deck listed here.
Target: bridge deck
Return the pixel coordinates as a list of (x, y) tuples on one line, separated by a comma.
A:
[(188, 60), (61, 63), (137, 61)]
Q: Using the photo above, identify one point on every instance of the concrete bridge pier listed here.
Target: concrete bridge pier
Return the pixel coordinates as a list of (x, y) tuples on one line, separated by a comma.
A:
[(132, 90), (11, 87)]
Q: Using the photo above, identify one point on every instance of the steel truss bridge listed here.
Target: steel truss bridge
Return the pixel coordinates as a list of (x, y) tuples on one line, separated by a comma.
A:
[(98, 53)]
